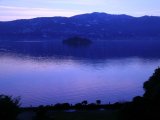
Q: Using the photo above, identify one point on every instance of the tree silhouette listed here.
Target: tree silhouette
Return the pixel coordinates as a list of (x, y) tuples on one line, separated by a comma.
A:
[(9, 107), (147, 106), (85, 102), (98, 102), (77, 41), (152, 87)]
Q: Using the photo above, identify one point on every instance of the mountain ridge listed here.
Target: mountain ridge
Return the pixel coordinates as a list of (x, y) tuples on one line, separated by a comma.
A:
[(93, 13), (99, 25)]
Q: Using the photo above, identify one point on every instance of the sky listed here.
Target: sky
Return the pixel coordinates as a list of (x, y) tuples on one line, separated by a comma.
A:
[(26, 9)]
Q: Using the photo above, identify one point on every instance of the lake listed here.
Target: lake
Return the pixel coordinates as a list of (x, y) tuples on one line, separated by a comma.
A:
[(45, 73)]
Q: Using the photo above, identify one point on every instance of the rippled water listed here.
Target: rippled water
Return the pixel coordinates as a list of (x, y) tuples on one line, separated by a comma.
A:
[(51, 81), (48, 79)]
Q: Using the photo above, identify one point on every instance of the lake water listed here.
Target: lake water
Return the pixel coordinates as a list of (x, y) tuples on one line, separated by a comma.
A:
[(60, 74)]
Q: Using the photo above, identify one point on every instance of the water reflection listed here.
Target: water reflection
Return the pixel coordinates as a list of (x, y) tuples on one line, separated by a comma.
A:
[(51, 81), (49, 72), (98, 50)]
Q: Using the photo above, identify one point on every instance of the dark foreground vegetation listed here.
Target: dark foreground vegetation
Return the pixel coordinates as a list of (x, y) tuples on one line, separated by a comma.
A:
[(146, 107), (9, 107)]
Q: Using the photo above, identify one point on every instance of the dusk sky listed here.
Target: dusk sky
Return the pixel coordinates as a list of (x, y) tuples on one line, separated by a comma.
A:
[(24, 9)]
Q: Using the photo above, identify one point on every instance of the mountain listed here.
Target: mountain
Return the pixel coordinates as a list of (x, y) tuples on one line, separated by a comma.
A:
[(93, 25)]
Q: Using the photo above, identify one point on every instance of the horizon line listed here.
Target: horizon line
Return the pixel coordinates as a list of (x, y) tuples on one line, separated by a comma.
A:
[(77, 15)]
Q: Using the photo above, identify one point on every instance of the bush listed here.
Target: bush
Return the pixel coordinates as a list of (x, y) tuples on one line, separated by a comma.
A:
[(9, 107)]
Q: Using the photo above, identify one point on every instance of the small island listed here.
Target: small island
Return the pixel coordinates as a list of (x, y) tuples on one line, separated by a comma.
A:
[(77, 41)]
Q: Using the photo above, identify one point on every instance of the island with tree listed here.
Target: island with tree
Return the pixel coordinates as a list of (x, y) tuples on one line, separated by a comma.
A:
[(77, 41)]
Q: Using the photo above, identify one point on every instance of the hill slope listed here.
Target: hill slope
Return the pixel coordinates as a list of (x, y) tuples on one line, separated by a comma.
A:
[(97, 25)]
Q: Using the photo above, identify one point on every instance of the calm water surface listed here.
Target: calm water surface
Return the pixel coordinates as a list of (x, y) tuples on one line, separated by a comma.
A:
[(51, 81)]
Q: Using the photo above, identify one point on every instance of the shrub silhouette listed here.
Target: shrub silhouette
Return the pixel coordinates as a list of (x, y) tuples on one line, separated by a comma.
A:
[(9, 107), (63, 106), (146, 107), (78, 106), (85, 102), (98, 102), (152, 87)]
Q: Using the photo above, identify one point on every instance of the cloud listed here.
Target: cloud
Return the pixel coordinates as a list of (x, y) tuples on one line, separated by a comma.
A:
[(12, 12)]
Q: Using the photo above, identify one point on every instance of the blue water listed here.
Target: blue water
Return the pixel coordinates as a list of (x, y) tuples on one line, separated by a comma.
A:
[(48, 74), (50, 81)]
